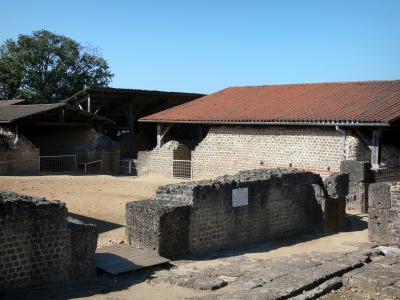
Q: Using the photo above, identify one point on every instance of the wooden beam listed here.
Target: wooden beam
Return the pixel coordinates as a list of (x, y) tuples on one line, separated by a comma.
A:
[(162, 130), (88, 103), (63, 124), (376, 148), (80, 101)]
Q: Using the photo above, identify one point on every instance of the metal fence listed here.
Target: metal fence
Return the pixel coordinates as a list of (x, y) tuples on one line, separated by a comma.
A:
[(182, 169), (128, 166), (95, 166), (57, 163)]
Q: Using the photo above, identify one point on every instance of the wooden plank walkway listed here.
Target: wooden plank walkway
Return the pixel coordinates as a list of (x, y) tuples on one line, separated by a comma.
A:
[(117, 259)]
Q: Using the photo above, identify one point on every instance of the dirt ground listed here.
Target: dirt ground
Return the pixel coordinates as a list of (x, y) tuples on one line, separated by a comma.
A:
[(101, 200), (97, 199)]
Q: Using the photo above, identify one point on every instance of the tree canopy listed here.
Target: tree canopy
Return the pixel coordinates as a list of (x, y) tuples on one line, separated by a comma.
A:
[(46, 67)]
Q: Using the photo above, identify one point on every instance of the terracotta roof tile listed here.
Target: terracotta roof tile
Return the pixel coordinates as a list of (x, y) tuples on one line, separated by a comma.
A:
[(337, 102)]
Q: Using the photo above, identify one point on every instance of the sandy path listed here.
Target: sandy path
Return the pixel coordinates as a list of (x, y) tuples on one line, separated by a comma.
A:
[(98, 199)]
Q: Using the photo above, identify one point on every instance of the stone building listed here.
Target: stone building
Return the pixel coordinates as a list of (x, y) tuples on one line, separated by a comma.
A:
[(52, 137), (312, 127)]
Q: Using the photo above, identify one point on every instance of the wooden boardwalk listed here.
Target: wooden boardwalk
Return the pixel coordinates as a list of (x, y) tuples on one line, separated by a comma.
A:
[(117, 259)]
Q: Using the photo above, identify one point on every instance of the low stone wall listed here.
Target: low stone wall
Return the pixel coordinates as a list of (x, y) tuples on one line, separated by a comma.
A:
[(384, 213), (160, 159), (232, 211), (36, 245)]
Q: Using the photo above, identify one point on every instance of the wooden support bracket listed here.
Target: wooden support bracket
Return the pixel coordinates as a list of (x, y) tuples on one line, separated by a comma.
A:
[(162, 130)]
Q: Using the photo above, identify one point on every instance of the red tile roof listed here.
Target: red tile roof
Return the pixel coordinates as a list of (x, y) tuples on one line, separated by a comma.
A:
[(351, 103)]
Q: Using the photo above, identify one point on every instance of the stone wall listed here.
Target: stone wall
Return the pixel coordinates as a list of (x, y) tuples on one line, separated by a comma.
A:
[(35, 243), (229, 149), (359, 180), (384, 213), (232, 211), (17, 156), (159, 160)]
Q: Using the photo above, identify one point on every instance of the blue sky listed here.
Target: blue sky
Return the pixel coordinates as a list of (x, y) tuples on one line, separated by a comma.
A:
[(204, 46)]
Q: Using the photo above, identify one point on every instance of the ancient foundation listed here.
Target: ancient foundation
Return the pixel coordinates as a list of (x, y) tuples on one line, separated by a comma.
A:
[(384, 213), (38, 245), (231, 211)]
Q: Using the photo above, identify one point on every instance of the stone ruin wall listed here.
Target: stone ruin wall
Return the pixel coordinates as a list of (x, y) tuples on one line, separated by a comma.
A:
[(198, 217), (20, 158), (160, 159), (38, 245), (384, 213)]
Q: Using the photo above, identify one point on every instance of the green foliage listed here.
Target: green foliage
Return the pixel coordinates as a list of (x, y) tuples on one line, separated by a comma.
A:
[(45, 67)]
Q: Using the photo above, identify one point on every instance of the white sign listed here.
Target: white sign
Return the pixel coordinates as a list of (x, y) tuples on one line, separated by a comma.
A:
[(240, 197)]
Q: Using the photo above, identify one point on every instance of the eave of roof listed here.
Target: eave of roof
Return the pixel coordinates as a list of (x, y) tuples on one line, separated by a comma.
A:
[(11, 102), (13, 113), (288, 123), (110, 90)]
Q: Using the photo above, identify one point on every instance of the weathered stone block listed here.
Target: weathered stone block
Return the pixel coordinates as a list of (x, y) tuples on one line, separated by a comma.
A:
[(379, 196), (384, 213), (83, 248), (357, 170), (337, 185), (158, 225)]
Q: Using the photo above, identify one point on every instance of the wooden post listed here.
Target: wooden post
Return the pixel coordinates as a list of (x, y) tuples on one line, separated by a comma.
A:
[(162, 130), (88, 103), (376, 148), (159, 139)]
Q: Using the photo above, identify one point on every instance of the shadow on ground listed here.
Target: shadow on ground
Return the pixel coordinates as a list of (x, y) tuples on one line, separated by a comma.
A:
[(356, 222), (102, 285), (102, 226)]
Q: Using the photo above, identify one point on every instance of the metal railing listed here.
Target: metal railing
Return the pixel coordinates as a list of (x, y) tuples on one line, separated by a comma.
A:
[(57, 163), (128, 166), (89, 163), (182, 169)]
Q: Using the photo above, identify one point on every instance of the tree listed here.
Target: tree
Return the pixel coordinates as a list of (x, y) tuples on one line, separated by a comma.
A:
[(45, 67)]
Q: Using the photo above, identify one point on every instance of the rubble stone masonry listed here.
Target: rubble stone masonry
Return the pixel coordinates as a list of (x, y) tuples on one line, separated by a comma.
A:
[(384, 213), (35, 243), (160, 159), (18, 156), (229, 149), (206, 215)]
